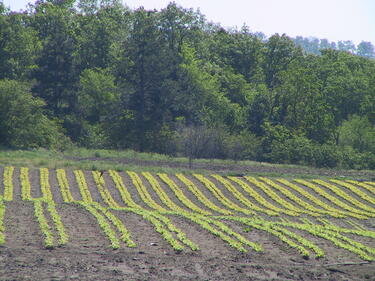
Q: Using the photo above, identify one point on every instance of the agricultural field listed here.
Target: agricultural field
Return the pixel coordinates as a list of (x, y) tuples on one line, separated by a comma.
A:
[(72, 224)]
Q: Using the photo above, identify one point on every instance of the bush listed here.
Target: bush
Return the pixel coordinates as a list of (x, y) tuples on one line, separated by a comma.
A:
[(352, 159), (22, 121), (202, 142), (244, 146), (325, 156), (295, 150), (358, 133)]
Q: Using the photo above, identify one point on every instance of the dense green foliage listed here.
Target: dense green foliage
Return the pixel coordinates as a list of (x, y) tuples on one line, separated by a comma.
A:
[(170, 82)]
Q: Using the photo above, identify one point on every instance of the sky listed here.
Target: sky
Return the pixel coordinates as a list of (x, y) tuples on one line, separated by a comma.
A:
[(331, 19)]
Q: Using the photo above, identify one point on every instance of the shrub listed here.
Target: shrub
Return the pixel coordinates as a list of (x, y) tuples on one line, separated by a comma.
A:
[(22, 121)]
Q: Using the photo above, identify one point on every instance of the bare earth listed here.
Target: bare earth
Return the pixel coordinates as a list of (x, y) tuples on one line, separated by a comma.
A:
[(88, 256), (239, 169)]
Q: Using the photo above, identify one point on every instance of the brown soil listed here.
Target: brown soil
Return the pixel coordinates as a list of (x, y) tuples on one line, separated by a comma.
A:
[(87, 256), (260, 168)]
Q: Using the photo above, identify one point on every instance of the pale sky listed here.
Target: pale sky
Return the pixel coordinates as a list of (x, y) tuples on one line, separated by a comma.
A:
[(331, 19)]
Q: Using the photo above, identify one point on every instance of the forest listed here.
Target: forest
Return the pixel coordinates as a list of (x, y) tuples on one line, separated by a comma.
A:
[(98, 74)]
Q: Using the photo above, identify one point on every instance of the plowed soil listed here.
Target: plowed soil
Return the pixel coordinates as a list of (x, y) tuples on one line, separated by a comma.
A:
[(259, 168), (88, 255)]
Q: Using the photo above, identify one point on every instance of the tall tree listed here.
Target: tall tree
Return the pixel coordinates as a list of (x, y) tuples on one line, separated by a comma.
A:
[(347, 46), (19, 46), (102, 29), (146, 69), (56, 75), (366, 49)]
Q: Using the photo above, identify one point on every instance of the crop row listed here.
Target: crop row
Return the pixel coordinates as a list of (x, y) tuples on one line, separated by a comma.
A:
[(8, 183), (25, 184), (351, 211), (82, 186), (368, 211), (181, 196), (161, 223), (158, 219), (331, 211), (270, 209), (333, 234), (143, 192), (99, 212), (159, 214), (95, 207), (222, 198), (200, 196), (330, 233), (64, 186), (45, 227), (44, 184), (161, 193), (2, 215), (357, 191), (289, 209), (307, 208), (256, 196), (366, 185)]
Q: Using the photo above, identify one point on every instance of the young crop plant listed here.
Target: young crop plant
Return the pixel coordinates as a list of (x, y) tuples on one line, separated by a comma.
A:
[(43, 224), (231, 188), (153, 218), (310, 210), (206, 225), (25, 184), (161, 193), (364, 185), (356, 191), (176, 245), (279, 234), (358, 230), (319, 253), (290, 209), (104, 192), (144, 194), (44, 184), (200, 196), (352, 223), (348, 211), (222, 198), (8, 183), (82, 185), (124, 233), (103, 223), (64, 186), (271, 209), (226, 229), (334, 236), (124, 193), (150, 216), (181, 196), (180, 235), (367, 211), (332, 211), (300, 245), (370, 183), (51, 207)]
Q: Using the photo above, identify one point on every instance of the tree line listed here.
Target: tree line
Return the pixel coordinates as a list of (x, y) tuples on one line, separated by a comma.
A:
[(313, 45), (100, 75)]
